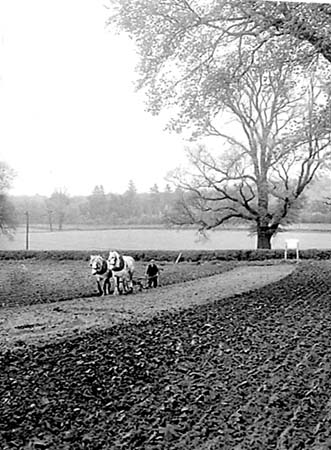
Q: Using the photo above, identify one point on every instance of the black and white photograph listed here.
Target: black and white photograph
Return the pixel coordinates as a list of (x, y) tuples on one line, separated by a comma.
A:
[(165, 225)]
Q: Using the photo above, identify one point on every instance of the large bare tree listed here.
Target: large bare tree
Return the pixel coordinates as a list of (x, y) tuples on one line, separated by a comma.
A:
[(252, 61), (276, 143)]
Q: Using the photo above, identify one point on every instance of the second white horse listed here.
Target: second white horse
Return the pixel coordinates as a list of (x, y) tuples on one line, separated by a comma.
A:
[(122, 268)]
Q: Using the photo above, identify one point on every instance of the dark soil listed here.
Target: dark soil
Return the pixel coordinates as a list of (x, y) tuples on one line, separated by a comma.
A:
[(252, 371), (43, 322)]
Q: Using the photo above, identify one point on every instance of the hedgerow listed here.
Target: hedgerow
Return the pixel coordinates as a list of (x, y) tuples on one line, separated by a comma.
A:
[(168, 255)]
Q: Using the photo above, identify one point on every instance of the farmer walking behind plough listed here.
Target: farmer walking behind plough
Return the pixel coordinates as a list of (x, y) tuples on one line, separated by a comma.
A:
[(152, 274)]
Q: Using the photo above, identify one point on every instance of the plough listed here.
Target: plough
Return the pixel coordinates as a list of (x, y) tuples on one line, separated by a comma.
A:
[(142, 282)]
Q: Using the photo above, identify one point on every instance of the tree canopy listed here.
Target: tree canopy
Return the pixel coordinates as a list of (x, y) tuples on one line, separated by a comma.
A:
[(179, 38)]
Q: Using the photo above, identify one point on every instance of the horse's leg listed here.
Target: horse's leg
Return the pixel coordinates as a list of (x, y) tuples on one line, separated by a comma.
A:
[(122, 281), (122, 285), (116, 284), (99, 287), (107, 283), (125, 285), (104, 287), (131, 281)]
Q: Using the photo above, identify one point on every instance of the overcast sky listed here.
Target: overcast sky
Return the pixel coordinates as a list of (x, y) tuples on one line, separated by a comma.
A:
[(69, 116), (68, 111)]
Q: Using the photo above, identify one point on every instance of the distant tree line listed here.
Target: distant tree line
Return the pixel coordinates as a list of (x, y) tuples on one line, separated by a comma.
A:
[(99, 208), (133, 208), (7, 209)]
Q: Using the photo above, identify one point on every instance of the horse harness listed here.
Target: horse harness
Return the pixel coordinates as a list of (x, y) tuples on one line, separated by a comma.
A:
[(104, 268), (121, 265)]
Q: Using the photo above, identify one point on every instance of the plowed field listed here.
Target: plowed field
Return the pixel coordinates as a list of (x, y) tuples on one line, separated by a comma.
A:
[(250, 371), (29, 282), (57, 320)]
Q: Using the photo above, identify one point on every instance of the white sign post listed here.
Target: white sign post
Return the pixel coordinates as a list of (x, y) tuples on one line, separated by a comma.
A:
[(292, 244)]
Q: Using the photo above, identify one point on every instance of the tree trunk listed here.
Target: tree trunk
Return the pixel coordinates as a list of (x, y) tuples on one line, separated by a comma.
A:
[(50, 221), (264, 235), (61, 220)]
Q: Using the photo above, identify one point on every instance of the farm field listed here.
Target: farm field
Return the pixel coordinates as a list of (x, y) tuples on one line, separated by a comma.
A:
[(29, 282), (250, 371), (58, 320), (160, 239)]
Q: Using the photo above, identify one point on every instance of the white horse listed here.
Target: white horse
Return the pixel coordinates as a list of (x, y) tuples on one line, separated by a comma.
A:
[(102, 273), (122, 268)]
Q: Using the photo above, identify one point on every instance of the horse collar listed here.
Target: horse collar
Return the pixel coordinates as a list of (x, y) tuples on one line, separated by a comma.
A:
[(104, 268), (121, 265)]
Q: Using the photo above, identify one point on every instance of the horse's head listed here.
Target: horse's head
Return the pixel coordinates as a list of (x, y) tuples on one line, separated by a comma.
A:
[(96, 263), (113, 259)]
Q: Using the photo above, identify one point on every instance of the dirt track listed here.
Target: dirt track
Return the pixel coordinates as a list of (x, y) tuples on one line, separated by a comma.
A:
[(40, 323)]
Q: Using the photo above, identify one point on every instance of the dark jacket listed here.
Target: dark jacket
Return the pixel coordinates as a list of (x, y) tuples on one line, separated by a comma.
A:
[(152, 270)]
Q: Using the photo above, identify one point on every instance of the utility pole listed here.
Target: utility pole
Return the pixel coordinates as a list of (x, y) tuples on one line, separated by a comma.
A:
[(50, 219), (27, 231)]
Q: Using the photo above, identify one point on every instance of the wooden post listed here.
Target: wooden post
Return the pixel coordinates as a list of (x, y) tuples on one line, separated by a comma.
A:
[(50, 219), (27, 231), (178, 258)]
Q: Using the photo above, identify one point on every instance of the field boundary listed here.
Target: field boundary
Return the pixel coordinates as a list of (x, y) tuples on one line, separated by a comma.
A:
[(168, 255)]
